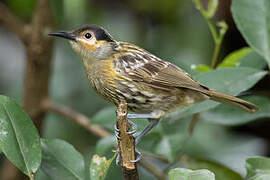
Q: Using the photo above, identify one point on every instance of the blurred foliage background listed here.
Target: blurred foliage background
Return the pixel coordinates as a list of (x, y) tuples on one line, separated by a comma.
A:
[(174, 31)]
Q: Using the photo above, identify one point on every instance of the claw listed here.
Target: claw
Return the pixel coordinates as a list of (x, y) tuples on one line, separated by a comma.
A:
[(137, 153), (115, 128), (138, 156), (116, 132), (134, 128), (118, 158)]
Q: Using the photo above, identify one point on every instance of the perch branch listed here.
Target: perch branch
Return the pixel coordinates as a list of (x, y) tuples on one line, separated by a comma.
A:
[(79, 118), (13, 23), (126, 144), (49, 105)]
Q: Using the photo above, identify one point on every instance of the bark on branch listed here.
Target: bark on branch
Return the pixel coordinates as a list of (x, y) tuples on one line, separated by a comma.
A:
[(13, 23), (126, 144)]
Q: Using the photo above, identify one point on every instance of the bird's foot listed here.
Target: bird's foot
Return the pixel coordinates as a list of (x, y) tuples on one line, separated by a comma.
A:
[(131, 132), (138, 156)]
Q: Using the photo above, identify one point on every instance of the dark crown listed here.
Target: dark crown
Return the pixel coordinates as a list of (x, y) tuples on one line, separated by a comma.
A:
[(100, 33)]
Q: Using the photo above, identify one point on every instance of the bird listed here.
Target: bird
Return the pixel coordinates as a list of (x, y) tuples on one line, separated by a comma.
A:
[(151, 86)]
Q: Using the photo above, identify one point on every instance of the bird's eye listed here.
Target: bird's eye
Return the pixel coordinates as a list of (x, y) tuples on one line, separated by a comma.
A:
[(87, 35)]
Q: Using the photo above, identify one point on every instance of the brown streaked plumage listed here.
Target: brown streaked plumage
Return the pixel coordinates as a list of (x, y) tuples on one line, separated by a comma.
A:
[(119, 70)]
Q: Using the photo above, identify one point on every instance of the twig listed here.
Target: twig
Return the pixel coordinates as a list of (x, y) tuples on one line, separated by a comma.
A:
[(49, 105), (13, 23), (79, 118), (155, 171), (193, 123), (126, 144)]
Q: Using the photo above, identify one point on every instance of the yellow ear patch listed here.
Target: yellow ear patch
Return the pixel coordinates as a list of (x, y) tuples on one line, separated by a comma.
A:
[(89, 45)]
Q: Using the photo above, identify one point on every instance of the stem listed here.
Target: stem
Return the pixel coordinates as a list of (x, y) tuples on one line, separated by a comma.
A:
[(212, 30), (215, 55)]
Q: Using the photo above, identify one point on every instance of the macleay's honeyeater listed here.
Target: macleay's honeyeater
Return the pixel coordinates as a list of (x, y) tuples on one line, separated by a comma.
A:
[(151, 86)]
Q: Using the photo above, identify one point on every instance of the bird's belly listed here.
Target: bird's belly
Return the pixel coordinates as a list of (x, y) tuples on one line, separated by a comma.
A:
[(142, 98)]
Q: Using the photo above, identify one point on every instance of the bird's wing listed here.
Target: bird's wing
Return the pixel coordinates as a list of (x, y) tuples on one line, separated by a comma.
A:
[(148, 69)]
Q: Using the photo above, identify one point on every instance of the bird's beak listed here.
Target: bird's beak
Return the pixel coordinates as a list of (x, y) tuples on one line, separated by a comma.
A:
[(64, 34)]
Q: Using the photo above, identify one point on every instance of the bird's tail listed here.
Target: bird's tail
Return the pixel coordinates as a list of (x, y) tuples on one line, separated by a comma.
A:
[(224, 98)]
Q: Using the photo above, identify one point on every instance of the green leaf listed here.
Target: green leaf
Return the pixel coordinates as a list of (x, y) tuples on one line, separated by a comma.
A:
[(258, 168), (61, 160), (233, 59), (106, 145), (253, 60), (99, 167), (253, 20), (187, 174), (19, 139), (228, 115), (106, 117), (170, 145), (168, 139), (227, 80), (260, 177), (221, 172), (202, 67)]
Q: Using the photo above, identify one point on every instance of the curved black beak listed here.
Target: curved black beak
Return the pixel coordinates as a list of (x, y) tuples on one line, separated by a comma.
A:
[(64, 34)]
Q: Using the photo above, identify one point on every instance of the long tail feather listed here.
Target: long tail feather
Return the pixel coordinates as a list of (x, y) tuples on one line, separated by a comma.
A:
[(224, 98)]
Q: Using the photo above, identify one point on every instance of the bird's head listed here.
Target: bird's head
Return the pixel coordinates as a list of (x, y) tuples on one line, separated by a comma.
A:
[(91, 42)]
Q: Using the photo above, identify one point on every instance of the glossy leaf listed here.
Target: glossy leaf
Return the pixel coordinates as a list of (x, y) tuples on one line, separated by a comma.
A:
[(168, 138), (221, 172), (258, 168), (253, 60), (228, 115), (202, 67), (106, 145), (187, 174), (253, 20), (233, 59), (99, 167), (19, 139), (61, 160), (105, 117), (228, 80)]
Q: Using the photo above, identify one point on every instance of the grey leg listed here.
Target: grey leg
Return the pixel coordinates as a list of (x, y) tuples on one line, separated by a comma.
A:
[(152, 124), (154, 115), (138, 155)]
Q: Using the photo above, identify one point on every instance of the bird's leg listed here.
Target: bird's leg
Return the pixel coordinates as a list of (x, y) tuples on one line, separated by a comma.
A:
[(153, 118), (153, 123)]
